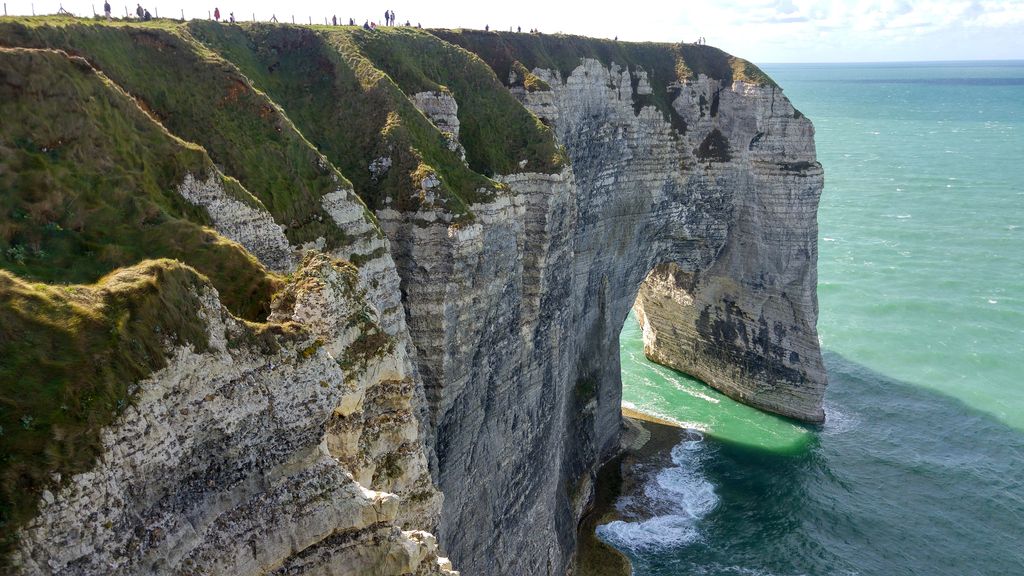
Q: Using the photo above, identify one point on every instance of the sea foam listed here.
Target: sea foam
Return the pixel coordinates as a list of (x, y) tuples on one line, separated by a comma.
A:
[(679, 496)]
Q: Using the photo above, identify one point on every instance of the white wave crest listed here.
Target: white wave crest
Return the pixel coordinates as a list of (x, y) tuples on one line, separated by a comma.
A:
[(658, 532), (679, 496)]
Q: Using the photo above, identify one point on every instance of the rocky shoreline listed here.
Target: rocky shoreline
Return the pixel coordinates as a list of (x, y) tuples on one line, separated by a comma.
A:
[(646, 440)]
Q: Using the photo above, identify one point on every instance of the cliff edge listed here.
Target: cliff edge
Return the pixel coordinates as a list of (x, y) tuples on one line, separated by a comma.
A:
[(286, 299)]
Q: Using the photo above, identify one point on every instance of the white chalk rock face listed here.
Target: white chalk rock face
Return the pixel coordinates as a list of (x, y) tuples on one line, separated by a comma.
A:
[(277, 452), (707, 212), (478, 356), (253, 228), (442, 110)]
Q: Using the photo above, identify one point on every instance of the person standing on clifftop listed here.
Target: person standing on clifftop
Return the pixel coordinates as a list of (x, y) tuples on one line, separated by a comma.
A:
[(106, 9), (216, 14), (138, 11)]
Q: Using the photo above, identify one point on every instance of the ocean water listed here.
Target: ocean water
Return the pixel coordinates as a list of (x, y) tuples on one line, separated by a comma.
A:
[(919, 468)]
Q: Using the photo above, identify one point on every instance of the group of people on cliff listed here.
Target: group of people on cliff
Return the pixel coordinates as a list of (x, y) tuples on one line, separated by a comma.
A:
[(231, 15), (389, 19), (140, 12)]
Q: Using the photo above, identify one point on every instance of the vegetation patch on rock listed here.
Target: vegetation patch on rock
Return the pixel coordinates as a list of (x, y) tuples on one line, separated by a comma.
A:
[(205, 99), (69, 358), (87, 185)]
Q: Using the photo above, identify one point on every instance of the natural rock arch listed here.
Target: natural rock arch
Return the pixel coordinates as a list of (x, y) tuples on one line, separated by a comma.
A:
[(498, 326), (708, 215)]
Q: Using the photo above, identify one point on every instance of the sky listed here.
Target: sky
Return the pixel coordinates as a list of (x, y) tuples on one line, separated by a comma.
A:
[(763, 31)]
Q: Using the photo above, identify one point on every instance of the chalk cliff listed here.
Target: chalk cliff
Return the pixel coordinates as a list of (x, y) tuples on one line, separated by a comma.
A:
[(502, 202)]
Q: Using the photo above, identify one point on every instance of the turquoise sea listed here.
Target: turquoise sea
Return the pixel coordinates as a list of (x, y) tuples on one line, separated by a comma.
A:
[(919, 468)]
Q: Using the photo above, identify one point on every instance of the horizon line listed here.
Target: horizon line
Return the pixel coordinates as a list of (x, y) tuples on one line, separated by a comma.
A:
[(968, 61)]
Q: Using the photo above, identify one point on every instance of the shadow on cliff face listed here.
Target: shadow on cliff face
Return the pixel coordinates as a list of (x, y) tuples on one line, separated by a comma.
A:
[(899, 480)]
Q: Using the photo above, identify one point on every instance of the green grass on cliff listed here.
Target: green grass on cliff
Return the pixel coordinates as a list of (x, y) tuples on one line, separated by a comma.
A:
[(204, 99), (87, 185), (68, 356), (87, 196), (666, 64), (311, 74), (496, 130), (309, 71)]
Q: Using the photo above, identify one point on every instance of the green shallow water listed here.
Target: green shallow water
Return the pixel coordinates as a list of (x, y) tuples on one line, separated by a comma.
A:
[(919, 468), (688, 402)]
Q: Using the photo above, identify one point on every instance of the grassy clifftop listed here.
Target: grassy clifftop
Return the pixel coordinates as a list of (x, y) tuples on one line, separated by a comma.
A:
[(204, 99), (87, 185), (496, 130), (310, 72), (87, 196), (666, 64), (352, 112), (562, 52)]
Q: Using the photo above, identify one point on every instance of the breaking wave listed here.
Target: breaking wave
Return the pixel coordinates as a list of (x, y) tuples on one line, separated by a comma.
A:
[(678, 496)]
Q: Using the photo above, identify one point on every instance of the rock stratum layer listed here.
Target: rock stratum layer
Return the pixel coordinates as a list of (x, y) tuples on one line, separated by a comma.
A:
[(281, 300)]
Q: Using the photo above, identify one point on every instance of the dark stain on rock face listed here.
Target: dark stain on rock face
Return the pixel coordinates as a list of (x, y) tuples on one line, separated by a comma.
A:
[(732, 338), (796, 166), (753, 141), (714, 148)]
